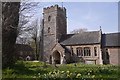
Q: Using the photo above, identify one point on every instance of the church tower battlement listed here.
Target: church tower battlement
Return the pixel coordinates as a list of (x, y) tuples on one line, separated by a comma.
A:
[(53, 8)]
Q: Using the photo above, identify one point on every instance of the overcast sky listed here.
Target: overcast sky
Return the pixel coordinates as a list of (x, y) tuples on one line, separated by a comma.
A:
[(90, 15)]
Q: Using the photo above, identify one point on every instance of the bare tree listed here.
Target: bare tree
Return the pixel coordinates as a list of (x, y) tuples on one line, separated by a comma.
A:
[(33, 31), (76, 31), (28, 25), (27, 13), (22, 40), (41, 49)]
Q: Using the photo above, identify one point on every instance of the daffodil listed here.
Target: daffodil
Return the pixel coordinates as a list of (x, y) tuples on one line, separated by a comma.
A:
[(68, 75), (38, 73), (78, 75), (62, 71), (88, 73), (68, 71), (93, 76)]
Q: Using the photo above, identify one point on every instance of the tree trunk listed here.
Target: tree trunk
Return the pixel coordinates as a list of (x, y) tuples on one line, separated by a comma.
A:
[(10, 19), (36, 51)]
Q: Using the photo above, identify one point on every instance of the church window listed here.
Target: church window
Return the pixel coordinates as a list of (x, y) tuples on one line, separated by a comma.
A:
[(87, 51), (48, 29), (49, 18), (79, 51), (95, 51)]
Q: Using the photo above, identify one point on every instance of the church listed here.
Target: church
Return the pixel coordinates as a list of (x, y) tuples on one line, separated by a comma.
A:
[(92, 47)]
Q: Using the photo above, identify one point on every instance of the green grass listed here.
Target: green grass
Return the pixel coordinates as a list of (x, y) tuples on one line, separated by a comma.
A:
[(29, 69)]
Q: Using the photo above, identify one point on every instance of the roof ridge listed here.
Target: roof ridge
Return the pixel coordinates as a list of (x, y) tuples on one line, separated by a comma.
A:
[(113, 33)]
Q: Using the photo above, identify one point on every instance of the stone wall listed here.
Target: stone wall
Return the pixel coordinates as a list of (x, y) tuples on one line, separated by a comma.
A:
[(114, 55)]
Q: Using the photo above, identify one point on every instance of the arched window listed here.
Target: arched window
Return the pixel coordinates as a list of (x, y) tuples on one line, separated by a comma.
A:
[(48, 29), (79, 51), (49, 18), (87, 51)]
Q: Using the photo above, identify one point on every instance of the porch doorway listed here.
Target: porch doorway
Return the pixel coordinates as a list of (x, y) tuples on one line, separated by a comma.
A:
[(56, 57)]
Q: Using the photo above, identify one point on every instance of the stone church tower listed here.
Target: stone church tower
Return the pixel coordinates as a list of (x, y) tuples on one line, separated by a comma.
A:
[(54, 22)]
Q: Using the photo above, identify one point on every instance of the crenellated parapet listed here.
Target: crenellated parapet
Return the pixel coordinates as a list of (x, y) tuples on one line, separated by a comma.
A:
[(54, 8)]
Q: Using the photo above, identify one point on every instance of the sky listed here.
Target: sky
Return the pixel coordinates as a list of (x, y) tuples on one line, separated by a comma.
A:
[(90, 15)]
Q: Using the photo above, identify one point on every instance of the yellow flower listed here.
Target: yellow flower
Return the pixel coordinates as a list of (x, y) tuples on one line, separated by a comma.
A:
[(38, 73), (62, 71), (88, 73), (34, 76), (68, 75), (78, 75), (68, 71), (54, 72), (93, 76), (50, 73)]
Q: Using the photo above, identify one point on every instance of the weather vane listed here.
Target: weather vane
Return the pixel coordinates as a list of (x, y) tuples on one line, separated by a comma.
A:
[(62, 4), (100, 28)]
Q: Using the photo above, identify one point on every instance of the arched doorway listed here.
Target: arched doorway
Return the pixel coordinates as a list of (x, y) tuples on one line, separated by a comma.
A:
[(56, 57)]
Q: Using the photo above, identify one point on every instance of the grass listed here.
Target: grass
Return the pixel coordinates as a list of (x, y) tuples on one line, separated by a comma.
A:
[(29, 69)]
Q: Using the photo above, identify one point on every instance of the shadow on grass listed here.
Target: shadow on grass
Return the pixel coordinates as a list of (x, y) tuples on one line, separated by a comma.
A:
[(21, 69)]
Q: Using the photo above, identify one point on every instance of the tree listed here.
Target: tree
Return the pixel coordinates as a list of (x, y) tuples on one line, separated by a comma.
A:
[(27, 14), (33, 31), (27, 11), (10, 19), (41, 50), (76, 31), (28, 24)]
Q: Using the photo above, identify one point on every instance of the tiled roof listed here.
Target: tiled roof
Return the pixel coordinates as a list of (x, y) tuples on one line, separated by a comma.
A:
[(111, 40), (92, 37)]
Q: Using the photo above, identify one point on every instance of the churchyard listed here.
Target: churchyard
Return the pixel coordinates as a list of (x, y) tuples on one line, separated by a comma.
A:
[(38, 70)]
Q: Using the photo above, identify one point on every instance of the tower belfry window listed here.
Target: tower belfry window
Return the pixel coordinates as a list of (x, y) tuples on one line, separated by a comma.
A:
[(48, 29), (49, 18)]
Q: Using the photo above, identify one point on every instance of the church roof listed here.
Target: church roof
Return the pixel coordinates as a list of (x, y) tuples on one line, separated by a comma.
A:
[(93, 37), (111, 40)]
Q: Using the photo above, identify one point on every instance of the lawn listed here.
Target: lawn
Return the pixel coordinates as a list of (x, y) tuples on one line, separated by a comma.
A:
[(30, 69)]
